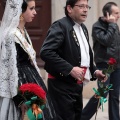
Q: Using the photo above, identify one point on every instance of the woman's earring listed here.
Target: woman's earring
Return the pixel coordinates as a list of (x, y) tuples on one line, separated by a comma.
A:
[(21, 18)]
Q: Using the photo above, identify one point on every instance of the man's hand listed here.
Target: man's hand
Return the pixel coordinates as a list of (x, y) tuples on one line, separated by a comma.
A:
[(100, 75), (77, 73), (110, 18)]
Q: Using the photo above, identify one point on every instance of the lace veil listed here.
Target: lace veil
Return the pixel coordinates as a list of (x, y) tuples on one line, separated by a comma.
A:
[(8, 68)]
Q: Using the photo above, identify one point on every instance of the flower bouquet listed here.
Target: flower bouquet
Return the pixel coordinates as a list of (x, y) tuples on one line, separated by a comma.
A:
[(100, 92), (35, 98)]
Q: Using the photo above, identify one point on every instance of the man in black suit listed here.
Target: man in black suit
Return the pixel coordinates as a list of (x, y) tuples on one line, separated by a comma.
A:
[(69, 60)]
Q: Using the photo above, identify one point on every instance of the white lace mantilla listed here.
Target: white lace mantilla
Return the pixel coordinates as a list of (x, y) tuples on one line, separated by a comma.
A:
[(8, 69), (8, 63)]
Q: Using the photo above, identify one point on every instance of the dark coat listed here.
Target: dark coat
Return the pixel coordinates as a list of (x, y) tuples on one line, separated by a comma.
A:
[(61, 49), (106, 42)]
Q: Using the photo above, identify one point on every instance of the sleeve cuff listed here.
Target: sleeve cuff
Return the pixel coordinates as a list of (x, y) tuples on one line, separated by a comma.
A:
[(18, 100)]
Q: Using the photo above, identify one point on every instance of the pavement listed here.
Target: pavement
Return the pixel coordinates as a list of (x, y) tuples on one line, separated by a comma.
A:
[(101, 115)]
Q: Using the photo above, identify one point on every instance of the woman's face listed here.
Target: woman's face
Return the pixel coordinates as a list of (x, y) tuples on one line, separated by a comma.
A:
[(30, 12)]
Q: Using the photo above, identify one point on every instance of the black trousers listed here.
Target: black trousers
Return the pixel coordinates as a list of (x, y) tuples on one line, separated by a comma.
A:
[(66, 98)]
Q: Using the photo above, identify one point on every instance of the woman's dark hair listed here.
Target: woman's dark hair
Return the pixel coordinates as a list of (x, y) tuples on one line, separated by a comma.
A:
[(107, 8), (3, 3), (71, 3), (24, 5)]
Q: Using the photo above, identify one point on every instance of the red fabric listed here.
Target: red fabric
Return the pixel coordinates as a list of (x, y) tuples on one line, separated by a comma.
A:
[(33, 88), (78, 81), (50, 76)]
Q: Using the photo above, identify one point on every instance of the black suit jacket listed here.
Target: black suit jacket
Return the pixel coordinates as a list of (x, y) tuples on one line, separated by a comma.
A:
[(61, 49)]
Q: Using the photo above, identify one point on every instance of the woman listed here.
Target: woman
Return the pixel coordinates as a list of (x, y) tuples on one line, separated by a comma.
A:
[(17, 60)]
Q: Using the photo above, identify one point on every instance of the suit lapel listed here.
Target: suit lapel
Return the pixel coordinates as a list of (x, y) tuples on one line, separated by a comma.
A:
[(85, 33), (75, 37)]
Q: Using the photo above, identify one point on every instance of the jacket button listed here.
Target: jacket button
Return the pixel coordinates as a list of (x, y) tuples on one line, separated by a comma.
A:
[(61, 74)]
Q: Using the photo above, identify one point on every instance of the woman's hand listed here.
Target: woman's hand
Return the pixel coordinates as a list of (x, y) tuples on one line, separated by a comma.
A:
[(23, 109)]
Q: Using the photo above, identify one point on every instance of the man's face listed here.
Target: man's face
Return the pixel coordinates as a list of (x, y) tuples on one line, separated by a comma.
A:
[(115, 12), (79, 12)]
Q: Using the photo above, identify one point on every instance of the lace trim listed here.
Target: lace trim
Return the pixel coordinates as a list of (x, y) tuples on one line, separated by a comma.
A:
[(8, 69), (27, 47)]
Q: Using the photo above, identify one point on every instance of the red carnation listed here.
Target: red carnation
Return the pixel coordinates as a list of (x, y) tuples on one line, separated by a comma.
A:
[(33, 88), (34, 97), (112, 61)]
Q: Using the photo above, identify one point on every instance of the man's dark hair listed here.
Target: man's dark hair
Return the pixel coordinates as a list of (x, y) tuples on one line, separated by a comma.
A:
[(24, 5), (71, 3), (107, 8)]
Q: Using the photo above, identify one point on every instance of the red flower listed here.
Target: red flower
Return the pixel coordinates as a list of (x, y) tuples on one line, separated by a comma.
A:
[(112, 61), (33, 88)]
